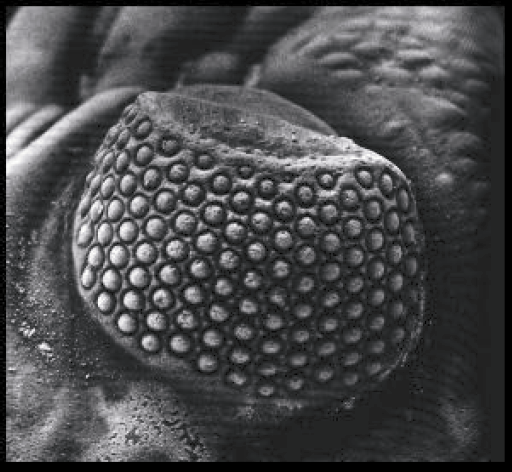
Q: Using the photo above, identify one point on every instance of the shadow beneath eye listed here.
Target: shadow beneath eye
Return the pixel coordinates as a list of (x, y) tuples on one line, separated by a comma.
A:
[(327, 433), (331, 432)]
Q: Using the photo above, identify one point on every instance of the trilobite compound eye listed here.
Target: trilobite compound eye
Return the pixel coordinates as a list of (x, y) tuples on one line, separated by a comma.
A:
[(294, 272)]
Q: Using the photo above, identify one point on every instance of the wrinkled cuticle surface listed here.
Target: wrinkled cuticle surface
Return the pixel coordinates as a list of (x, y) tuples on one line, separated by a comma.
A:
[(276, 284)]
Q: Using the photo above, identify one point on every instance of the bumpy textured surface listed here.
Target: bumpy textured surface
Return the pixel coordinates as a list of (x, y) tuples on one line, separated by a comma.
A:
[(72, 395), (280, 278)]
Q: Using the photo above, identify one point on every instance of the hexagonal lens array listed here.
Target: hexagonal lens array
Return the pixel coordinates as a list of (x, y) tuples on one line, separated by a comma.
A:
[(275, 284)]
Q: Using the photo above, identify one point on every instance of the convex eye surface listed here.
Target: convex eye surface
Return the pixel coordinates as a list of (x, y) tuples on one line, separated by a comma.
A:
[(268, 281)]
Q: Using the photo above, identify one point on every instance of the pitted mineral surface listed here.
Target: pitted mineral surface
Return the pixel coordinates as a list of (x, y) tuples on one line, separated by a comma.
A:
[(299, 280)]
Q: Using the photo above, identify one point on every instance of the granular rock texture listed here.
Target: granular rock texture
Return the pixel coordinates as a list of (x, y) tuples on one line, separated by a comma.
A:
[(295, 276)]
